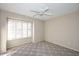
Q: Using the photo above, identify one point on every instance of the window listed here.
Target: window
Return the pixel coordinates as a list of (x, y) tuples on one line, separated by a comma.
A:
[(19, 29)]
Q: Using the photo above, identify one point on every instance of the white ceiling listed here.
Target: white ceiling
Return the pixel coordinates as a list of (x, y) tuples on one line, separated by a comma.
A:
[(57, 9)]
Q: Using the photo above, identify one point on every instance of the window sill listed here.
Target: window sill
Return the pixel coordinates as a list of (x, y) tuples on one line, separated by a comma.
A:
[(20, 38)]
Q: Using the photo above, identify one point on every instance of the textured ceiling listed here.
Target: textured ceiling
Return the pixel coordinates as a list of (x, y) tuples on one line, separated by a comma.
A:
[(56, 9)]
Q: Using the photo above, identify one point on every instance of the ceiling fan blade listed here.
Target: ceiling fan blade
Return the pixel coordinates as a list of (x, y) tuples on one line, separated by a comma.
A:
[(48, 14), (46, 10), (35, 11), (43, 10)]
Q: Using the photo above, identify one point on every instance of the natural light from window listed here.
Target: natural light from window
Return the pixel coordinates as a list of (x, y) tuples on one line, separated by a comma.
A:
[(18, 29)]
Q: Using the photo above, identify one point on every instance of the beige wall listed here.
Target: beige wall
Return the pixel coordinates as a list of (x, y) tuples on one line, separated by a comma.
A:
[(12, 43), (39, 30), (64, 31), (0, 32)]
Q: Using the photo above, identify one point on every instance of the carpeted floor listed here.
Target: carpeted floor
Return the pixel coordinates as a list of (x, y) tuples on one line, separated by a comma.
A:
[(41, 49)]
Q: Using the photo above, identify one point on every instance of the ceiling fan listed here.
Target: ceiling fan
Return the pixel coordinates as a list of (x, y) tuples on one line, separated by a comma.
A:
[(42, 12)]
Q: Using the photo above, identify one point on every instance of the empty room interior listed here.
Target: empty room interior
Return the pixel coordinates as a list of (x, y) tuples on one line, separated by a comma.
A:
[(39, 29)]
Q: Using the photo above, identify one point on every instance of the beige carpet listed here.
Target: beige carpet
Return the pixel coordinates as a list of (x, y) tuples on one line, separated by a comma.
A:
[(41, 49)]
